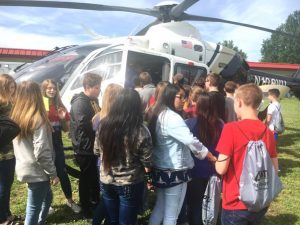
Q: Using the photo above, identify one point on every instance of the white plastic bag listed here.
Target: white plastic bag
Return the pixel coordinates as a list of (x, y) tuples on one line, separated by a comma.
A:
[(211, 200)]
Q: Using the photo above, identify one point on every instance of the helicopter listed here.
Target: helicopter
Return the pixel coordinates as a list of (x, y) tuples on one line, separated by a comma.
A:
[(165, 47)]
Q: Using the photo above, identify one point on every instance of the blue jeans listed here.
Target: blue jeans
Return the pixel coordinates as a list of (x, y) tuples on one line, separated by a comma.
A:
[(100, 214), (60, 162), (122, 202), (276, 136), (195, 194), (242, 217), (7, 170), (38, 203), (168, 205)]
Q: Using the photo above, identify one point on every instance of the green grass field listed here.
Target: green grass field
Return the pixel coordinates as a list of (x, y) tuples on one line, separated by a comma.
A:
[(285, 210)]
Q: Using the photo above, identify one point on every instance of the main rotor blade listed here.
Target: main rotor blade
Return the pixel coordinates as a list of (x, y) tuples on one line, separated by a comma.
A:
[(145, 29), (180, 8), (185, 16), (78, 5)]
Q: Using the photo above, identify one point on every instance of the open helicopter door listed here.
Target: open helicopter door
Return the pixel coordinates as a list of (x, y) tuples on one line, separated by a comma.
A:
[(156, 65)]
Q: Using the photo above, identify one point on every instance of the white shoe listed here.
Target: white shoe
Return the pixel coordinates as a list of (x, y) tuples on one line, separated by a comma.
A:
[(51, 211), (76, 208)]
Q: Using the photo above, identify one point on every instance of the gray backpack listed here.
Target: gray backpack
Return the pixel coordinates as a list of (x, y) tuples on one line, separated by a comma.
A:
[(279, 123), (259, 183)]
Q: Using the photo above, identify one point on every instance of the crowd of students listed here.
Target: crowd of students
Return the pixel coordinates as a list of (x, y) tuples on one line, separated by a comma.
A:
[(169, 139)]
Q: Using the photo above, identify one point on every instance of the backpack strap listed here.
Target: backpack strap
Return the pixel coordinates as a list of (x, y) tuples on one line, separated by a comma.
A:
[(263, 134)]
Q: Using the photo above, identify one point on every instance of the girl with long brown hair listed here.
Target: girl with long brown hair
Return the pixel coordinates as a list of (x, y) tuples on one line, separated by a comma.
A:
[(126, 148), (34, 151), (59, 119), (207, 127), (109, 96)]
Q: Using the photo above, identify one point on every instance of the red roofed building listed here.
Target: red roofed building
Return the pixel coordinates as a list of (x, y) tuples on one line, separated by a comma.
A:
[(10, 58), (23, 55), (275, 68)]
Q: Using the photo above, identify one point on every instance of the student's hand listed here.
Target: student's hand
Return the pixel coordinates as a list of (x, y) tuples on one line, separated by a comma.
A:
[(149, 180), (150, 187), (54, 181), (61, 113), (211, 157)]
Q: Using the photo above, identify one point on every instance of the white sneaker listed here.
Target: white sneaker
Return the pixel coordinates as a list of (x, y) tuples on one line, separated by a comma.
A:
[(76, 208), (51, 211)]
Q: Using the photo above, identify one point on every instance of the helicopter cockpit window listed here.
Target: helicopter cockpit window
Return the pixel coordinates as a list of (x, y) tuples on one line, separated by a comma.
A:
[(190, 73), (57, 66), (107, 66)]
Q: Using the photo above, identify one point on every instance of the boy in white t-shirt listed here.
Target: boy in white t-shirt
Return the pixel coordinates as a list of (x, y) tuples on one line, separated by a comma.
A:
[(274, 108)]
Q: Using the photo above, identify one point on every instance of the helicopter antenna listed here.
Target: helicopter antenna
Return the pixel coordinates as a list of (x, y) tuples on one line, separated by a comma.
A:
[(92, 33)]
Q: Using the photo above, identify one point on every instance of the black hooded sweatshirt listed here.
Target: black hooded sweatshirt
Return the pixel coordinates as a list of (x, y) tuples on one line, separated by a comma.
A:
[(82, 134)]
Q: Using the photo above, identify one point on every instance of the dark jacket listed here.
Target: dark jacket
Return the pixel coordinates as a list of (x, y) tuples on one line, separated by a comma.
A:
[(82, 134), (8, 131)]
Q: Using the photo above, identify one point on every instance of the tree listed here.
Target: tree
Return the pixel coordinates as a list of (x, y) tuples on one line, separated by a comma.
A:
[(229, 44), (281, 48)]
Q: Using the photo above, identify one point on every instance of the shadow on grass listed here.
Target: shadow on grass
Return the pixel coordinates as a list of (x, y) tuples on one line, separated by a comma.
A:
[(62, 215), (282, 219), (288, 139), (286, 166)]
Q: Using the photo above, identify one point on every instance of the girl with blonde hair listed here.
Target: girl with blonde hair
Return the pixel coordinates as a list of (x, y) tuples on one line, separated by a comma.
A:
[(7, 158), (34, 151), (110, 93), (59, 119)]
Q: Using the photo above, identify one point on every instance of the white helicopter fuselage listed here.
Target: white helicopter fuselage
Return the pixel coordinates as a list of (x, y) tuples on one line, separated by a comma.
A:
[(166, 49)]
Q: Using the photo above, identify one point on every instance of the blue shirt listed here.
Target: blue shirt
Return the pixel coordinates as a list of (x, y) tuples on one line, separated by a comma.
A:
[(203, 168), (174, 143)]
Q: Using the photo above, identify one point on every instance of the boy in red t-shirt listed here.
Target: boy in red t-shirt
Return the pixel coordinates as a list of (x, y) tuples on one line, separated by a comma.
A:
[(232, 146)]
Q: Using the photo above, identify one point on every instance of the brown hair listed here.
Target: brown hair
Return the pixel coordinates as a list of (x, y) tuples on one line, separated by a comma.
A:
[(251, 95), (195, 92), (5, 81), (160, 87), (200, 82), (214, 79), (230, 87), (274, 92), (29, 111), (207, 116), (178, 79), (145, 78), (57, 100), (91, 80)]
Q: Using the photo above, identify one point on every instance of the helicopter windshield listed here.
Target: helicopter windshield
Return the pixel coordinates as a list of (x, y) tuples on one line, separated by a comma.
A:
[(57, 66)]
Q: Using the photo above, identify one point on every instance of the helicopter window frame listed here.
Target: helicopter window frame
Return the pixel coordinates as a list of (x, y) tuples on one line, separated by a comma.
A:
[(113, 68), (189, 79)]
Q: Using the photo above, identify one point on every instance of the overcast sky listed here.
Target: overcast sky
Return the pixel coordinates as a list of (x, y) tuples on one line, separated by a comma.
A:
[(46, 28)]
